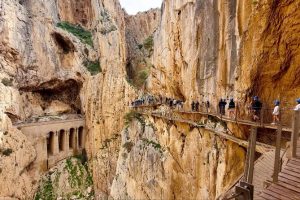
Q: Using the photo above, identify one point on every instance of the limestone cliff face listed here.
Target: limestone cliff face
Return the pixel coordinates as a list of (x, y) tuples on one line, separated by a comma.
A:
[(139, 33), (160, 160), (270, 58), (196, 48), (44, 71)]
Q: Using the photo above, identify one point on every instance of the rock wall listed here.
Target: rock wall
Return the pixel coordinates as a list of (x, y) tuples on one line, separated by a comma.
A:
[(139, 33), (43, 71), (196, 50), (160, 160), (270, 58)]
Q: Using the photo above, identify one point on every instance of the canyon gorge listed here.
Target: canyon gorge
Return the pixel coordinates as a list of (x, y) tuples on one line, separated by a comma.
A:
[(85, 61)]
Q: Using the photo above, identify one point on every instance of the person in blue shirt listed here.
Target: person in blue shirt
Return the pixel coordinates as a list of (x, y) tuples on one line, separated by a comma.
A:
[(256, 108)]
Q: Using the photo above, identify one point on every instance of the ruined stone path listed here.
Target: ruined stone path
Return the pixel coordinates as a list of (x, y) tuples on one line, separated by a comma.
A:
[(260, 147)]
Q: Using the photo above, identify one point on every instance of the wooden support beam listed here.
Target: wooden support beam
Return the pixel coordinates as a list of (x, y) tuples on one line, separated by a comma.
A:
[(295, 133), (277, 154), (251, 149)]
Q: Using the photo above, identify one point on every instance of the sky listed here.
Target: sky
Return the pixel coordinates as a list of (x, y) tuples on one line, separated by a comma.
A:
[(134, 6)]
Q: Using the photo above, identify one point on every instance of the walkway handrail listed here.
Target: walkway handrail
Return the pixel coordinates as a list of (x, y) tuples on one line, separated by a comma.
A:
[(264, 121)]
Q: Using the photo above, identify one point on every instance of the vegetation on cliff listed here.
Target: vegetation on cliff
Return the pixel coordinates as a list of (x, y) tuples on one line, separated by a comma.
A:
[(93, 66), (131, 115), (71, 180), (78, 31), (139, 80)]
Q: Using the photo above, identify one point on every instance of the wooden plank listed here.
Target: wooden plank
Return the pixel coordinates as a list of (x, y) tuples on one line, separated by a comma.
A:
[(277, 194), (291, 187), (289, 180), (267, 196), (286, 176), (295, 164), (287, 194), (295, 160), (295, 174), (284, 191), (296, 170)]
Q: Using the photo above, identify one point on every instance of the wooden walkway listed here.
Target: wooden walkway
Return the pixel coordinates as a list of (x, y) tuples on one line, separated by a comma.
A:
[(224, 118), (238, 121), (288, 185), (263, 170), (260, 147)]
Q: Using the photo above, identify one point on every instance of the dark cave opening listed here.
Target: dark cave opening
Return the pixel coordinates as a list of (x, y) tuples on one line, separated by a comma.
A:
[(63, 43)]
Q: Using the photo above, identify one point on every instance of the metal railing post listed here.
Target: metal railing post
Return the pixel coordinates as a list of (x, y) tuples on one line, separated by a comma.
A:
[(295, 133)]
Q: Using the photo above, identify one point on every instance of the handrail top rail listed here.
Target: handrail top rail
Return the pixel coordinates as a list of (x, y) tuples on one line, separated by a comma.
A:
[(48, 122)]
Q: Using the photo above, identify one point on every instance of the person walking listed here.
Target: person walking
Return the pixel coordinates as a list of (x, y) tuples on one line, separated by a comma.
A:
[(220, 106), (224, 103), (207, 106), (256, 108), (298, 104), (231, 108), (276, 112), (197, 106), (193, 105)]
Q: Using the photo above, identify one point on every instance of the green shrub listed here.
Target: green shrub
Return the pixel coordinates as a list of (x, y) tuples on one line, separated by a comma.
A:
[(105, 31), (148, 43), (84, 35), (93, 66), (140, 46), (7, 82), (131, 115), (104, 16), (129, 81), (7, 152), (143, 75), (128, 146), (46, 192), (155, 145)]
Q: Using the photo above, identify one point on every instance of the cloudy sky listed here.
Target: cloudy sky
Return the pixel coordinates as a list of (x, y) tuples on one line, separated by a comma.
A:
[(134, 6)]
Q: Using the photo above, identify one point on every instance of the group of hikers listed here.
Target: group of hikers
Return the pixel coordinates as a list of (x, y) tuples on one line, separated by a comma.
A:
[(195, 105), (147, 99), (255, 106)]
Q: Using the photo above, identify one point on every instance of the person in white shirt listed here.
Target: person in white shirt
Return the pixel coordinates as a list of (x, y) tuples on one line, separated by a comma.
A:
[(276, 112), (298, 105)]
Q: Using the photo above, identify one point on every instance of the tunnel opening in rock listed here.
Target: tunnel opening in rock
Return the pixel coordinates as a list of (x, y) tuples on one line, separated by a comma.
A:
[(71, 138), (63, 43), (80, 137), (50, 142), (61, 140)]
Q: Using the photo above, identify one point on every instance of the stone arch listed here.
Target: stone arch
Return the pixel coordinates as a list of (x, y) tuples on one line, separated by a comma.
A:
[(80, 137), (50, 144), (61, 140), (72, 138)]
